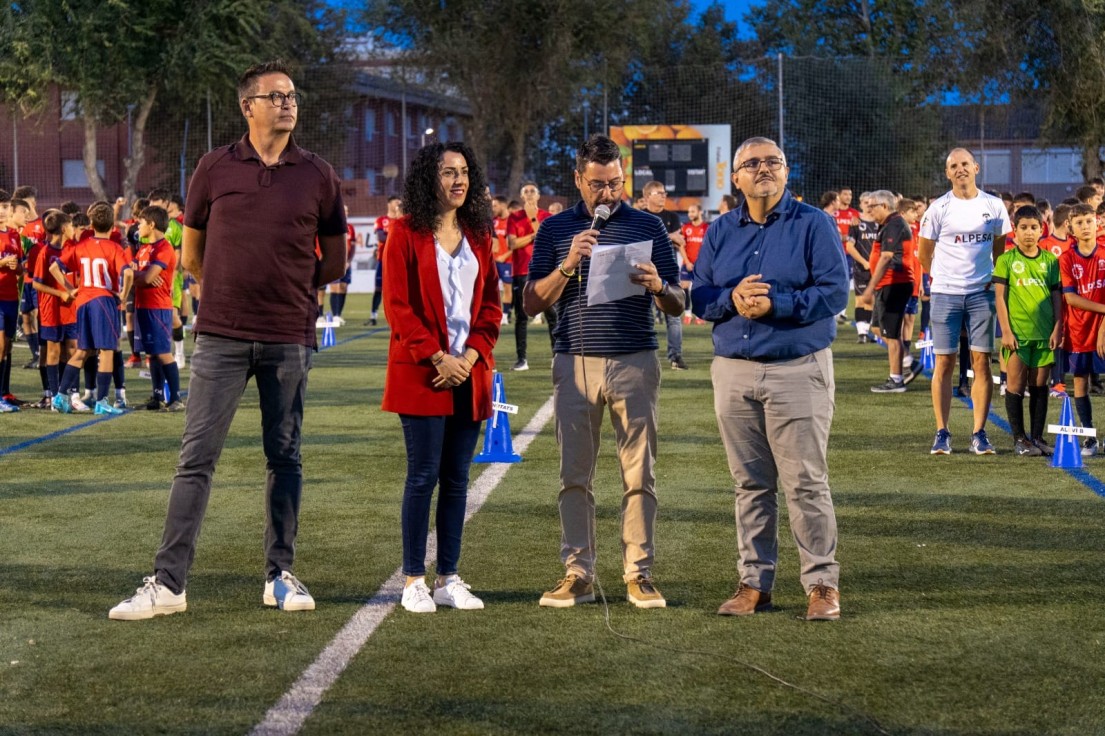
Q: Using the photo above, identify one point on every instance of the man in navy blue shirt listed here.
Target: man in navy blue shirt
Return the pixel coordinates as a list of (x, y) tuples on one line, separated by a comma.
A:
[(771, 277), (604, 356)]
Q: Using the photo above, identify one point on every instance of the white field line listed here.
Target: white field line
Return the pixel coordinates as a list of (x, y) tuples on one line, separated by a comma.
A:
[(295, 707)]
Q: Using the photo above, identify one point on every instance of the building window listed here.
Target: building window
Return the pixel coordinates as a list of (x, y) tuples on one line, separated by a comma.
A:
[(370, 176), (1051, 166), (996, 166), (70, 106), (392, 123), (347, 173), (369, 124), (72, 173)]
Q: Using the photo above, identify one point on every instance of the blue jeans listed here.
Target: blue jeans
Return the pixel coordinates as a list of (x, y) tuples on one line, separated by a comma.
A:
[(221, 367), (439, 452), (954, 312)]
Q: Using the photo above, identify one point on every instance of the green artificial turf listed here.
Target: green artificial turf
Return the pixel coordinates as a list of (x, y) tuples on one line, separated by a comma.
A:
[(971, 587)]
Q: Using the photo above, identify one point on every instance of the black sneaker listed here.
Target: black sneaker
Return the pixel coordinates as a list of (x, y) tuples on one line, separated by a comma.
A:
[(890, 387), (1043, 447), (962, 391), (1024, 448), (31, 365), (677, 363), (155, 403), (861, 340)]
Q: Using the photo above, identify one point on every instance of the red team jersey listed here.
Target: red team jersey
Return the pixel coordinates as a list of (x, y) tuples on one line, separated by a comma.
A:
[(694, 234), (383, 225), (96, 265), (1055, 245), (52, 312), (10, 245), (90, 233), (161, 254), (1084, 276), (845, 218), (519, 226), (500, 249), (351, 239), (34, 231)]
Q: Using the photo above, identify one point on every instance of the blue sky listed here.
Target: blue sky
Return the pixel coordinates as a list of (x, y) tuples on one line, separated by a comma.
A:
[(734, 9)]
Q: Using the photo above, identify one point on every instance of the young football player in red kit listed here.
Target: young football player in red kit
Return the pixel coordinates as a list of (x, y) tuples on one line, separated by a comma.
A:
[(56, 310), (11, 266), (153, 268), (693, 233), (98, 265), (1082, 270)]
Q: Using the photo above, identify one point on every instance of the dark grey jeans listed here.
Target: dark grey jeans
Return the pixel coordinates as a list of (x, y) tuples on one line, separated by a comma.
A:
[(221, 367)]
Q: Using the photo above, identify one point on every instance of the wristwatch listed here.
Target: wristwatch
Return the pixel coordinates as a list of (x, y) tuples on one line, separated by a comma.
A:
[(662, 292), (565, 273)]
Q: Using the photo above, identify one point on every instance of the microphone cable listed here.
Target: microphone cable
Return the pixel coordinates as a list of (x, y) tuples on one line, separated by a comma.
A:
[(592, 539)]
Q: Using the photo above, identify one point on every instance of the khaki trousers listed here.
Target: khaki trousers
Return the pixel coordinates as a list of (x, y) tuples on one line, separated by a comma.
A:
[(582, 388), (774, 420)]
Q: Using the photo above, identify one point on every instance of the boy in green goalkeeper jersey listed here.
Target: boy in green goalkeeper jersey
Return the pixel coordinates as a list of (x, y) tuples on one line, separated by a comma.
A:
[(1028, 297)]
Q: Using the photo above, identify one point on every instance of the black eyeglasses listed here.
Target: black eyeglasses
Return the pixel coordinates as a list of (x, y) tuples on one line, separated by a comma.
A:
[(753, 164), (596, 187), (279, 98)]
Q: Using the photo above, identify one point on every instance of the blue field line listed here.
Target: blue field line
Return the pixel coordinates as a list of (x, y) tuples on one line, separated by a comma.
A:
[(54, 435), (108, 417), (1081, 475)]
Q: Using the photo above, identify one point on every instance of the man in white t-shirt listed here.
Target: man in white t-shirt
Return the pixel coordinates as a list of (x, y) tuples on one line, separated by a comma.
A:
[(962, 235)]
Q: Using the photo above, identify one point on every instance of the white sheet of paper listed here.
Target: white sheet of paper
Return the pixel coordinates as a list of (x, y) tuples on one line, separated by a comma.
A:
[(610, 269)]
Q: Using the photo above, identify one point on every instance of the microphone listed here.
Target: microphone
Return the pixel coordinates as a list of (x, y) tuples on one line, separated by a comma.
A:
[(602, 213)]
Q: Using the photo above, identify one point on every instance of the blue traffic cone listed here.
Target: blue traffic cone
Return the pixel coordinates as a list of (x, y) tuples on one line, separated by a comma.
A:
[(498, 445), (1067, 453), (328, 332), (928, 355)]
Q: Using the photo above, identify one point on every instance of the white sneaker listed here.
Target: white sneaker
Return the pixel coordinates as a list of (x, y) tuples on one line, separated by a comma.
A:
[(417, 599), (152, 599), (455, 595), (288, 594), (340, 321), (79, 405), (320, 322), (87, 395)]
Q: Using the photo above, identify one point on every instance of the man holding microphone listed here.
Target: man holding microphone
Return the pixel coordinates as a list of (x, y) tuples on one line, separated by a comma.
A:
[(604, 355)]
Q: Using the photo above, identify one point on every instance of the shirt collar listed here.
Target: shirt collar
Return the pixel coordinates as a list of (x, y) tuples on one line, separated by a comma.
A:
[(784, 206), (582, 212), (244, 150)]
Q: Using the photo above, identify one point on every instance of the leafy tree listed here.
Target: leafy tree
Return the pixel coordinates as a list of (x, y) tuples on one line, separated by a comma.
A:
[(120, 57), (519, 64)]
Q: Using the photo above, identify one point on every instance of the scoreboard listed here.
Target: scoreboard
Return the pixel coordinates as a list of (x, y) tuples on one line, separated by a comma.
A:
[(681, 165)]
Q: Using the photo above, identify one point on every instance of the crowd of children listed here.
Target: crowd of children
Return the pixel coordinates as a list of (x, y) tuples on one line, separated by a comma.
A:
[(1049, 290), (72, 281)]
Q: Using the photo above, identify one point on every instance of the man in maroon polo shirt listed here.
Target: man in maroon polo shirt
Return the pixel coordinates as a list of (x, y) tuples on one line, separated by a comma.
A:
[(254, 211)]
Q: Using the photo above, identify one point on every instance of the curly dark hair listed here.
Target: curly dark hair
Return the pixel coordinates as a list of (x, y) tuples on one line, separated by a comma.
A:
[(420, 201)]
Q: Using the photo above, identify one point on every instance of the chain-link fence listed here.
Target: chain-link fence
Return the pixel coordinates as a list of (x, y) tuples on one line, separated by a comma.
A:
[(842, 122)]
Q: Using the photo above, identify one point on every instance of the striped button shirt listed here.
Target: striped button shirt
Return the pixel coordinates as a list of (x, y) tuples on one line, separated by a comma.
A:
[(614, 328)]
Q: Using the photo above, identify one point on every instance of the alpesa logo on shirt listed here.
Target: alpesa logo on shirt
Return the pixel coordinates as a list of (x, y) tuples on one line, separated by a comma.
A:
[(974, 238), (1030, 282)]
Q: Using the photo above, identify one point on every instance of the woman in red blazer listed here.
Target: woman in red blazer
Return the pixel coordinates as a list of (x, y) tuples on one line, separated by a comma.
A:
[(441, 296)]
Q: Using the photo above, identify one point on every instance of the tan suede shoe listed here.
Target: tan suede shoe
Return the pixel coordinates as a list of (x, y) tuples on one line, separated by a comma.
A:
[(746, 601), (824, 604)]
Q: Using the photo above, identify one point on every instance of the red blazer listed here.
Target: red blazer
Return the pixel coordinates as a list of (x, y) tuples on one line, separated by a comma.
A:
[(416, 312)]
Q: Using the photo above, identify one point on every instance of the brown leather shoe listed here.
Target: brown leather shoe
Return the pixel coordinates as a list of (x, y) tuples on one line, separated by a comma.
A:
[(746, 601), (824, 604)]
